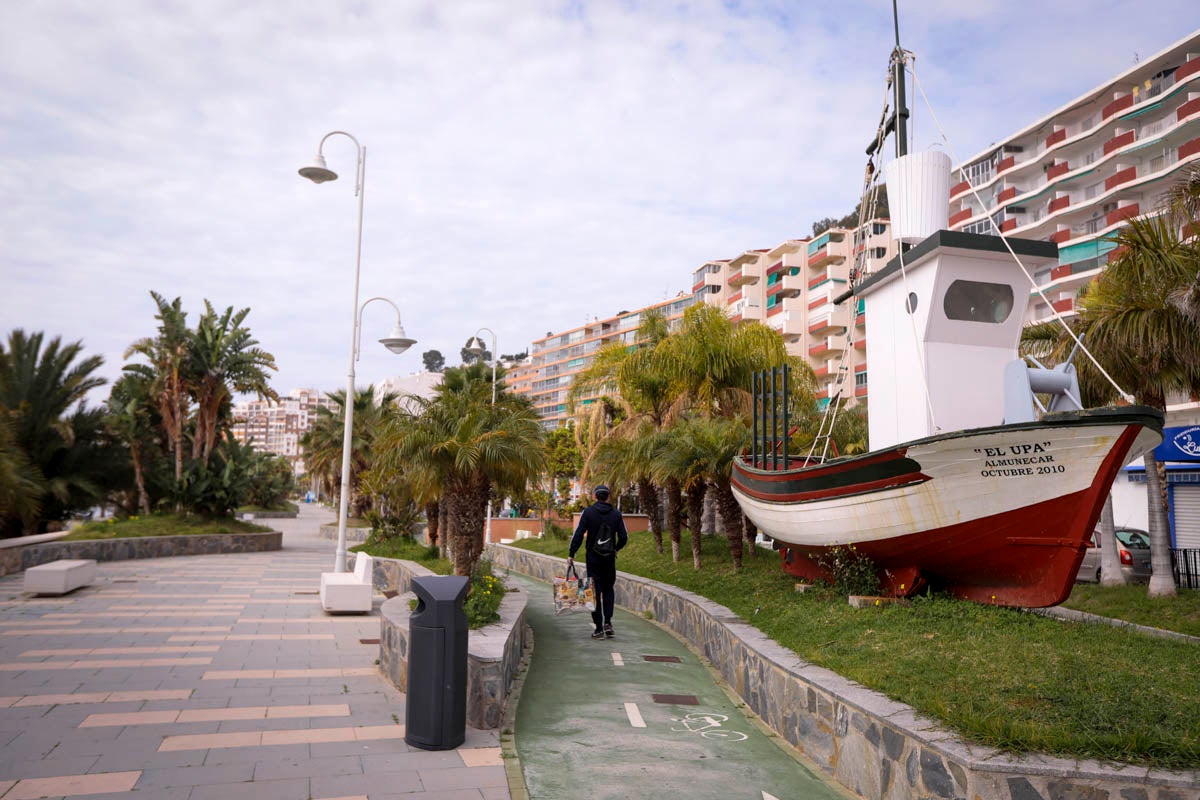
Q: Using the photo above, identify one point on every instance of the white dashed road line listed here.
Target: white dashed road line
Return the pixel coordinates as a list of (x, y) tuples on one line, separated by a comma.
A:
[(635, 716)]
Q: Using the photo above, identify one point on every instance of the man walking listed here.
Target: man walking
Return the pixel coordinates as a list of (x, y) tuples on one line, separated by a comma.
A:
[(606, 534)]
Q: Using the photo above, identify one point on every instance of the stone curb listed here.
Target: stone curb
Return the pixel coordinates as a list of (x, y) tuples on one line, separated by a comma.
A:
[(1071, 615), (874, 746)]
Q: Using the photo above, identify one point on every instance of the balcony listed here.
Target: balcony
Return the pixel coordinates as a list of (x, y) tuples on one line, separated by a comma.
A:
[(1188, 149), (1117, 142), (1058, 204), (835, 319), (793, 325), (749, 274), (1188, 69), (961, 216), (860, 391), (1123, 176), (829, 344), (1122, 213), (1188, 108), (1007, 194), (959, 188), (1064, 305), (1057, 170), (792, 285), (1008, 225), (1006, 163), (1120, 104), (834, 251), (1056, 137), (861, 345)]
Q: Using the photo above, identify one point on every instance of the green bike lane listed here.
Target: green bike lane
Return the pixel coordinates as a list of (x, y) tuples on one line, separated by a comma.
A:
[(588, 723)]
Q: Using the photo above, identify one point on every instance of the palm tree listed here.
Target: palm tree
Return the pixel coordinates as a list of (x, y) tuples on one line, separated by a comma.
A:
[(21, 483), (43, 395), (678, 460), (224, 358), (323, 443), (705, 447), (711, 361), (130, 418), (466, 444), (1146, 342), (636, 382), (167, 371)]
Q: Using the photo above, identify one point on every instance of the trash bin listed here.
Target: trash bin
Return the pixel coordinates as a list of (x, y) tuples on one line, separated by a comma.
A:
[(436, 703)]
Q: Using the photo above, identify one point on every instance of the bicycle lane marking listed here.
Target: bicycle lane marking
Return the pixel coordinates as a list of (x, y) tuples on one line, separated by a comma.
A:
[(573, 728)]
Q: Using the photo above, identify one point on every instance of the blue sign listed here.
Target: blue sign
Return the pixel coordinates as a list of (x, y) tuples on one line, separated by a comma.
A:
[(1179, 444)]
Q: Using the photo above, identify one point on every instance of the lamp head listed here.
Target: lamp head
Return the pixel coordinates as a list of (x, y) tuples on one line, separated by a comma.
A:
[(317, 172), (397, 342), (475, 347)]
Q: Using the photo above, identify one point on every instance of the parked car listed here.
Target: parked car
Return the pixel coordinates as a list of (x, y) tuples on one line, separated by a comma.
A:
[(1133, 551)]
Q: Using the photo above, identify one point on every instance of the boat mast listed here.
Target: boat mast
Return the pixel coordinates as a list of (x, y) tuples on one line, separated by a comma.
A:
[(897, 123)]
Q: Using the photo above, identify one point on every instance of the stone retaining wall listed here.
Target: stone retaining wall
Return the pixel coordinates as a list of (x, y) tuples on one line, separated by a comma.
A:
[(274, 514), (872, 745), (493, 651), (353, 535), (17, 559)]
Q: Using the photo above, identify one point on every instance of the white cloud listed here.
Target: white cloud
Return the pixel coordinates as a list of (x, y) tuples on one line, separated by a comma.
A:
[(530, 164)]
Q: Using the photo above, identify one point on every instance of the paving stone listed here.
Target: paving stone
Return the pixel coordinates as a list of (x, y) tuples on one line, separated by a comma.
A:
[(463, 777), (289, 789), (195, 776), (308, 767)]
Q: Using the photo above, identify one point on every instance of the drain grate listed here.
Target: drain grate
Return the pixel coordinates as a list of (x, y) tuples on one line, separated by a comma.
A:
[(676, 699), (305, 592), (368, 641), (123, 580), (664, 659)]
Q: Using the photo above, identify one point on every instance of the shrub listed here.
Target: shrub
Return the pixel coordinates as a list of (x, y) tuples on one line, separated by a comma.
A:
[(483, 601), (853, 573)]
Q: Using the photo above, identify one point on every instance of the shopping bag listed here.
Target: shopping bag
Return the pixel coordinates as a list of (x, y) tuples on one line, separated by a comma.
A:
[(571, 593)]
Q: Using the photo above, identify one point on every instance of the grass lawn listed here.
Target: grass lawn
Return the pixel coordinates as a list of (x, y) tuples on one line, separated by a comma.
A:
[(292, 507), (408, 550), (160, 525), (1180, 613), (1001, 677)]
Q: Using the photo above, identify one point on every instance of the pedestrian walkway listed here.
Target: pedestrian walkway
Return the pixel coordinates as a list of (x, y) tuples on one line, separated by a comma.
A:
[(213, 678), (637, 716)]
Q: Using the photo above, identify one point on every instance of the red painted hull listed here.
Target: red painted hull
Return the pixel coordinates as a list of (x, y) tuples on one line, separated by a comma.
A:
[(1025, 556)]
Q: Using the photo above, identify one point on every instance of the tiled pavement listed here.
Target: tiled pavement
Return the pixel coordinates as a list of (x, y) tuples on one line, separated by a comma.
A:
[(212, 678)]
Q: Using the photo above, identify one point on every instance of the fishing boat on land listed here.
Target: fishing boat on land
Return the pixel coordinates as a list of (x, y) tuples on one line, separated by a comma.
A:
[(975, 485)]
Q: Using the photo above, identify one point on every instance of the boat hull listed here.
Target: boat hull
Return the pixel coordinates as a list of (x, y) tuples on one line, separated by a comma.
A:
[(998, 515)]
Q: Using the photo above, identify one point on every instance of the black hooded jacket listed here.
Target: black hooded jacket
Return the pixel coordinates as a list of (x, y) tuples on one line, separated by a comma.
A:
[(589, 523)]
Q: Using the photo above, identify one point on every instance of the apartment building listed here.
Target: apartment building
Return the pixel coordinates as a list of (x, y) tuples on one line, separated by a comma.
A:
[(554, 360), (791, 288), (278, 427), (1076, 175)]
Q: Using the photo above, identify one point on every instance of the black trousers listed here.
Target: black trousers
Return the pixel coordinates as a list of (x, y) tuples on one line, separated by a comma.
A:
[(603, 572)]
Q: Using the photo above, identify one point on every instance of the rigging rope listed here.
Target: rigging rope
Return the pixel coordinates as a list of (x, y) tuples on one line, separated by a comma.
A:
[(1078, 342)]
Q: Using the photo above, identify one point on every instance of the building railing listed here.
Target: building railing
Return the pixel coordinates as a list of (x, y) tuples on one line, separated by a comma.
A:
[(1185, 563)]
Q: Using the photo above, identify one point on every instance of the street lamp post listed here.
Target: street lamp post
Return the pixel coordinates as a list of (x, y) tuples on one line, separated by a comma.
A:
[(487, 533), (397, 342)]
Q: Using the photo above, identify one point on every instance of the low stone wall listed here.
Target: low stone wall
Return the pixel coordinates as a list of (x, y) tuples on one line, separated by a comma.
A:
[(15, 560), (353, 535), (872, 745), (274, 514), (493, 651)]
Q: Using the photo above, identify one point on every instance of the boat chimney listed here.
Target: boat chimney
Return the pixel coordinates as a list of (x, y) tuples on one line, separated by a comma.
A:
[(918, 190)]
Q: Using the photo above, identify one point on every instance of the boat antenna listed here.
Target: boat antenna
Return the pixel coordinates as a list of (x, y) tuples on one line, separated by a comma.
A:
[(897, 123)]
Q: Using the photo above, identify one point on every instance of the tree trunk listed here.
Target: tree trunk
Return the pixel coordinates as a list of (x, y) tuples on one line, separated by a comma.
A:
[(750, 531), (649, 500), (468, 501), (695, 507), (708, 520), (731, 517), (1162, 579), (445, 529), (674, 517), (1110, 562), (432, 518), (139, 477)]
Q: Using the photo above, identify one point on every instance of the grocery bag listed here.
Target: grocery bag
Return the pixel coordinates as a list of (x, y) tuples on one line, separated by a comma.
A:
[(571, 593)]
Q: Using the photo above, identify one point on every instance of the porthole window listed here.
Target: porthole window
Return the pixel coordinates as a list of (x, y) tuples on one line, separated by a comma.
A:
[(910, 303), (975, 301)]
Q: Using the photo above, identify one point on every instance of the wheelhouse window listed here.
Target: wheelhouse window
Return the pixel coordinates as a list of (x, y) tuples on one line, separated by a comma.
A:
[(975, 301)]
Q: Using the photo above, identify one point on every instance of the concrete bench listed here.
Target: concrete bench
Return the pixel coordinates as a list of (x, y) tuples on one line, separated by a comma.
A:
[(349, 592), (60, 577)]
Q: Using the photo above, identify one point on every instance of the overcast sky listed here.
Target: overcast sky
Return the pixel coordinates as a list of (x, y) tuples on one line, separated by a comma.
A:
[(530, 164)]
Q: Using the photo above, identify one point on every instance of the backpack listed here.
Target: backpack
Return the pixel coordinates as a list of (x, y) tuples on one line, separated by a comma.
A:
[(604, 542)]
